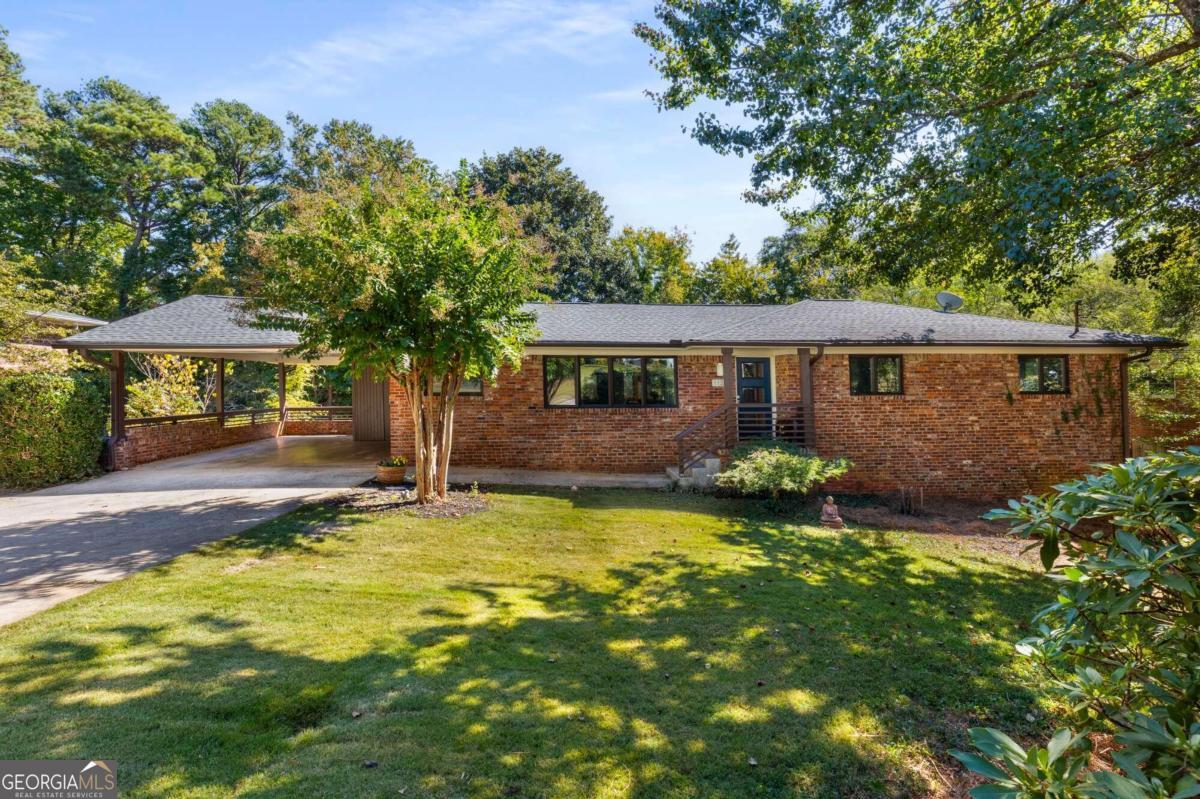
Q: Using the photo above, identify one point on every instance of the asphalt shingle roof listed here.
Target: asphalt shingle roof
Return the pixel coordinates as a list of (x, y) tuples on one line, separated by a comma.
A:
[(206, 322), (198, 321)]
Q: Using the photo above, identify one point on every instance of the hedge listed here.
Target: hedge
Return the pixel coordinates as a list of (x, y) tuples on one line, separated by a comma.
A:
[(51, 428)]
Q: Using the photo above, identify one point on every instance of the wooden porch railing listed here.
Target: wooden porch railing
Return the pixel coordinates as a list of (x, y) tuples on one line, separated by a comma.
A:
[(319, 413), (240, 418), (730, 425)]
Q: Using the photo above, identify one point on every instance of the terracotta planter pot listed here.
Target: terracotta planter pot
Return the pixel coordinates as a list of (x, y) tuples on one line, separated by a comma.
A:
[(390, 475)]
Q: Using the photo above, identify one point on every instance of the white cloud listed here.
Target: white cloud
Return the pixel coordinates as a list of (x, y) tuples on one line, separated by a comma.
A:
[(630, 94), (33, 45), (423, 31)]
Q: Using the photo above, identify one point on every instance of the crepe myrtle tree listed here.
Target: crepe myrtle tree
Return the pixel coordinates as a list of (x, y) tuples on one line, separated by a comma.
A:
[(410, 273)]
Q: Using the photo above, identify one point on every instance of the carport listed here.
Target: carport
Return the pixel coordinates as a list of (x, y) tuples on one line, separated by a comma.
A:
[(216, 328)]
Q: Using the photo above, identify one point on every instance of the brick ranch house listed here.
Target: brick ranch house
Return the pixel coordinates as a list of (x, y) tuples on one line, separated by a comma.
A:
[(952, 403)]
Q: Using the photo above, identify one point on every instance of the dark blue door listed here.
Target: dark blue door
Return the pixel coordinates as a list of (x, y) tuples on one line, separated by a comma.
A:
[(754, 388)]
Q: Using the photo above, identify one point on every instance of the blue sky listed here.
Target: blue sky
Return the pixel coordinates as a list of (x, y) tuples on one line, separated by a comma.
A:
[(459, 79)]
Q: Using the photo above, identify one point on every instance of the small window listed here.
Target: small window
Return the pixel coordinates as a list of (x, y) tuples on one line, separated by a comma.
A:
[(660, 381), (560, 382), (599, 381), (1043, 374), (593, 381), (876, 374)]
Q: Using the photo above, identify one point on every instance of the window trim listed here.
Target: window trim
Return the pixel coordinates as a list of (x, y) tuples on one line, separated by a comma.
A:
[(643, 405), (1041, 389), (873, 392)]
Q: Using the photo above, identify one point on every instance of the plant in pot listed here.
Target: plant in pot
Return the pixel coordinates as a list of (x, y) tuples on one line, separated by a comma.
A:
[(390, 470)]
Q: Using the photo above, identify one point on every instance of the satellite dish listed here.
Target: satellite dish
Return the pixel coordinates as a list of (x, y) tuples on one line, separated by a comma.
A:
[(949, 301)]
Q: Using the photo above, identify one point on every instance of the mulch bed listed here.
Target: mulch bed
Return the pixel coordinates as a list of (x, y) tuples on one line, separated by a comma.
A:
[(377, 498)]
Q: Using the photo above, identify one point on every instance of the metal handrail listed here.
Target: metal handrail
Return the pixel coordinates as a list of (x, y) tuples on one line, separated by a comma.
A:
[(730, 424)]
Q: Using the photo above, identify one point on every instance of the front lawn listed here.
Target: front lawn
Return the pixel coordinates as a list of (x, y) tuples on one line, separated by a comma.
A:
[(561, 644)]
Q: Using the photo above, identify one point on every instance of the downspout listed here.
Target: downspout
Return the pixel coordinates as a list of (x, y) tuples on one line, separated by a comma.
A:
[(1126, 436)]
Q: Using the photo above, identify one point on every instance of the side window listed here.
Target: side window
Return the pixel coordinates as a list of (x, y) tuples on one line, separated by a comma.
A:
[(1043, 374), (876, 374)]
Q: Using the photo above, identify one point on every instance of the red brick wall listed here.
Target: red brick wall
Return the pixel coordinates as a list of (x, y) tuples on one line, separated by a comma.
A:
[(156, 442), (961, 428), (509, 427), (318, 427)]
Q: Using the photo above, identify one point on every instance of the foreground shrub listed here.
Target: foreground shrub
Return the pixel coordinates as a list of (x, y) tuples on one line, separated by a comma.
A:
[(777, 469), (1120, 645), (51, 427)]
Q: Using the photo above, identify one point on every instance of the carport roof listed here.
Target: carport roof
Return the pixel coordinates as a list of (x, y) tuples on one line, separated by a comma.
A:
[(205, 324)]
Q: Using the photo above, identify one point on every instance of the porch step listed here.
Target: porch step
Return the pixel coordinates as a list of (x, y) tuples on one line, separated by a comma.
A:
[(698, 477)]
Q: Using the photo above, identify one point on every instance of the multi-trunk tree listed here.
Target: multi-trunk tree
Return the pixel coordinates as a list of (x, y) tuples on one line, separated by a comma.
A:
[(412, 274)]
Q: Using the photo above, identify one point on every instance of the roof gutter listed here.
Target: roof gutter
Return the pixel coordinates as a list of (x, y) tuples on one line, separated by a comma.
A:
[(1126, 435)]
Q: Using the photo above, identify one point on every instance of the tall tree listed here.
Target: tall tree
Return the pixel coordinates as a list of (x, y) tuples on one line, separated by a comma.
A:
[(658, 263), (19, 110), (730, 277), (556, 205), (420, 280), (339, 150), (807, 260), (245, 183), (1003, 139), (135, 165)]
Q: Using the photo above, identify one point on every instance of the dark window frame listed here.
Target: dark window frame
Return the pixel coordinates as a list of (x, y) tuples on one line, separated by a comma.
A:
[(872, 378), (1041, 389), (644, 404)]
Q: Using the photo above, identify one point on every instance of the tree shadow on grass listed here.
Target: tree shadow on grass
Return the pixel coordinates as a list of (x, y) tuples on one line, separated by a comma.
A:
[(788, 664)]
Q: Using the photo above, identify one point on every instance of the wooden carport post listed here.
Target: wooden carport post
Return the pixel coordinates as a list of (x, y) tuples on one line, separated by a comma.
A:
[(117, 395), (221, 391), (806, 397), (282, 396), (729, 381)]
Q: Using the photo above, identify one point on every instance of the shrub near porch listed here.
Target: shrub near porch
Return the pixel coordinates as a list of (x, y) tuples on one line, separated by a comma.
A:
[(561, 644)]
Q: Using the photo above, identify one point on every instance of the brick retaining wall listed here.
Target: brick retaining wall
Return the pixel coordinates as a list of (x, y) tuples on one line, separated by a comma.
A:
[(318, 427), (156, 442)]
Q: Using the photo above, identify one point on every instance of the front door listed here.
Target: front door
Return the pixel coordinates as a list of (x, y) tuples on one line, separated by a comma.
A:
[(754, 388)]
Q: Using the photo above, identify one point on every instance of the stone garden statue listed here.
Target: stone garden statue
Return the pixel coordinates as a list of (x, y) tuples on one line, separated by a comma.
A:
[(829, 514)]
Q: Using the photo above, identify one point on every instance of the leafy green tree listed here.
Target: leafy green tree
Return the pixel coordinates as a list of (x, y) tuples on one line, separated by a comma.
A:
[(19, 110), (130, 162), (1002, 139), (245, 183), (341, 150), (557, 206), (422, 280), (658, 262), (168, 385), (812, 261), (730, 277)]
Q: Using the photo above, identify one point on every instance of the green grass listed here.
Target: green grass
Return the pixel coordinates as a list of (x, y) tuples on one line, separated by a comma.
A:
[(581, 644)]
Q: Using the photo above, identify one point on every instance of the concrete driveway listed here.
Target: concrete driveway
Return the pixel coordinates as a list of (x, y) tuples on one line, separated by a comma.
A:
[(64, 541)]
